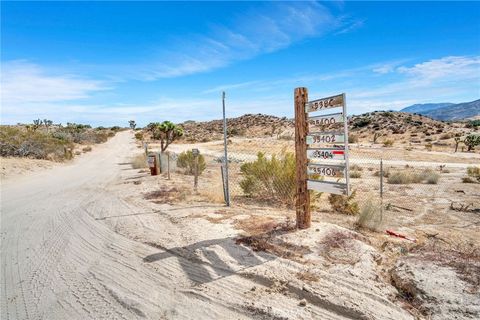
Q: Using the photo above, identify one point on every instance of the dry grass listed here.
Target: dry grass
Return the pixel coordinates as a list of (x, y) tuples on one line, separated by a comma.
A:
[(139, 161), (166, 195), (307, 276), (370, 216)]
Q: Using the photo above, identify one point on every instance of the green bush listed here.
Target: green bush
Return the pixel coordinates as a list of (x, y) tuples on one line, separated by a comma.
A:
[(186, 160), (272, 178), (344, 204)]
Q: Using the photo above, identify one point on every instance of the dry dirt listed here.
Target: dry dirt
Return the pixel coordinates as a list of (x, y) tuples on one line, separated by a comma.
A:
[(99, 240)]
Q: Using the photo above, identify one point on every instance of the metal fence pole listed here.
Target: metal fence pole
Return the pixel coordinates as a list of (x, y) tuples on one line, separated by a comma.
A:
[(227, 198), (381, 178)]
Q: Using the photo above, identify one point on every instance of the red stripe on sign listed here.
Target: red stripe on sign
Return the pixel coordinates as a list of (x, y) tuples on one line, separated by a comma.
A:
[(338, 152)]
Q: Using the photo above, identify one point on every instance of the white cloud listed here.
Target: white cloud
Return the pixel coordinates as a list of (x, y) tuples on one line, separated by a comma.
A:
[(450, 68), (24, 82), (277, 26)]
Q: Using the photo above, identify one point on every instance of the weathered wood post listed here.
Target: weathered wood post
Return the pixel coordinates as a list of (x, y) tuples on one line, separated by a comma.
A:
[(304, 218)]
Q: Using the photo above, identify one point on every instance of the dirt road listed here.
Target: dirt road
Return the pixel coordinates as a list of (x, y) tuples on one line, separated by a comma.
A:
[(77, 243)]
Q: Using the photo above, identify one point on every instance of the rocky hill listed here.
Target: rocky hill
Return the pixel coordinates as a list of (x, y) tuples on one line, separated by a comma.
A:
[(391, 124)]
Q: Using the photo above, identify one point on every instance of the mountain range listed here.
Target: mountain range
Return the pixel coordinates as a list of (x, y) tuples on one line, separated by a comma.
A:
[(447, 111)]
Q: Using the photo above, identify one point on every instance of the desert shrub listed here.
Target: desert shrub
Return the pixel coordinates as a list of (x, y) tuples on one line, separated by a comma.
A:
[(370, 216), (446, 136), (467, 180), (388, 143), (36, 144), (356, 167), (286, 137), (111, 134), (272, 178), (361, 122), (186, 160), (428, 146), (87, 149), (431, 177), (355, 174), (473, 124), (344, 204), (352, 138), (139, 135), (474, 172), (406, 177), (139, 161), (386, 173), (115, 128)]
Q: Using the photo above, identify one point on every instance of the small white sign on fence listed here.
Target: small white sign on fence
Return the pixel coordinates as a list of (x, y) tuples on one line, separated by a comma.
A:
[(326, 153), (325, 103), (326, 170), (318, 138), (326, 119)]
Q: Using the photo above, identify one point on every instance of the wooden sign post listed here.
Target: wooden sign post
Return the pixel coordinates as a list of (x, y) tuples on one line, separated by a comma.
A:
[(319, 155), (304, 218)]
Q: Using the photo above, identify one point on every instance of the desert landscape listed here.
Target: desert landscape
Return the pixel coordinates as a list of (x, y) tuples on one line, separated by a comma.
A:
[(247, 260), (224, 160)]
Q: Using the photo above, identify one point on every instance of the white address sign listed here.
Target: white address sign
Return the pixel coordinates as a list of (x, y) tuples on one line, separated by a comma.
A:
[(326, 153), (326, 119), (326, 171), (325, 103), (325, 138)]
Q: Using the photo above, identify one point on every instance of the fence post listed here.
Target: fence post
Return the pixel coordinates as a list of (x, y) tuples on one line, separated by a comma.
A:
[(168, 165), (227, 190), (304, 218), (381, 178)]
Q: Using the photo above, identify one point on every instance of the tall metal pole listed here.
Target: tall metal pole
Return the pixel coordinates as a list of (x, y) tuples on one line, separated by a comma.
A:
[(227, 198)]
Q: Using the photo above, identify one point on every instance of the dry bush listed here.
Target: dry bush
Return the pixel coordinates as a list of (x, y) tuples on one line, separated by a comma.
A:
[(344, 204), (467, 180), (139, 161), (355, 174), (87, 149), (370, 216), (166, 195), (356, 167), (139, 135), (307, 276), (337, 246), (186, 160), (272, 178), (474, 172), (352, 138), (388, 143), (386, 173), (17, 142), (408, 176)]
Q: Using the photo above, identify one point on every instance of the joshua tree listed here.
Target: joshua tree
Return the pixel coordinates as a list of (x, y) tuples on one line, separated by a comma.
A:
[(132, 124), (471, 141), (47, 123), (166, 132), (457, 141), (36, 124)]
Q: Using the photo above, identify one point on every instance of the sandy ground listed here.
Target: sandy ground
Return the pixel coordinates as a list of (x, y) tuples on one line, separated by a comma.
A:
[(81, 241), (15, 167)]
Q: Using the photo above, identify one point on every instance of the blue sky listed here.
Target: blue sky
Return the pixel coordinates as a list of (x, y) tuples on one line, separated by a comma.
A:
[(107, 62)]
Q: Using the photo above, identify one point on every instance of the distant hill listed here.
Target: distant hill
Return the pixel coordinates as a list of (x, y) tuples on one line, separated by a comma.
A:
[(447, 111), (423, 107)]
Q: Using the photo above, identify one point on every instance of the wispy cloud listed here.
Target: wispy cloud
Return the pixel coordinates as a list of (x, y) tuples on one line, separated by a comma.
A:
[(25, 82), (450, 68), (276, 26)]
